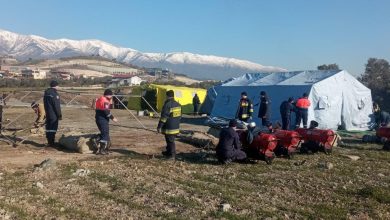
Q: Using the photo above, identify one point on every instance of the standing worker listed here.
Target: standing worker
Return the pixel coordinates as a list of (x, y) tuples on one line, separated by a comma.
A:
[(265, 109), (52, 104), (285, 112), (169, 123), (102, 118), (302, 107), (196, 103), (229, 145), (245, 108)]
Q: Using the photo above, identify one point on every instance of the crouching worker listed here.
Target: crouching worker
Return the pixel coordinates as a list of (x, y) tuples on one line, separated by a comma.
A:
[(39, 122), (102, 117), (229, 146), (169, 123)]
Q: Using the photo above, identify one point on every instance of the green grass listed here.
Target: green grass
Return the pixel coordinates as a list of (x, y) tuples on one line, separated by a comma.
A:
[(380, 194)]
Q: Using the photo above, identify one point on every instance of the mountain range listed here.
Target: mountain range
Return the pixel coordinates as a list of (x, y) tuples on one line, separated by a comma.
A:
[(195, 66)]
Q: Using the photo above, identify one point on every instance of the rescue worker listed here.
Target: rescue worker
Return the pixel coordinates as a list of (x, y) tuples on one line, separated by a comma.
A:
[(302, 106), (229, 145), (382, 118), (196, 103), (52, 104), (265, 109), (102, 118), (40, 112), (245, 108), (169, 123), (285, 112)]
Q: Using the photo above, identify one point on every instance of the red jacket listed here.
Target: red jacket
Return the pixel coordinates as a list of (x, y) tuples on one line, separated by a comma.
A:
[(102, 107), (303, 103)]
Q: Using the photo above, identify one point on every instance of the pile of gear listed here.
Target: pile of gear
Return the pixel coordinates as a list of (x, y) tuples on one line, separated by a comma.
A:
[(266, 144)]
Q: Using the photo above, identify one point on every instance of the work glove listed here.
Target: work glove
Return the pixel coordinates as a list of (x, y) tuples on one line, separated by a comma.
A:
[(158, 130), (60, 117)]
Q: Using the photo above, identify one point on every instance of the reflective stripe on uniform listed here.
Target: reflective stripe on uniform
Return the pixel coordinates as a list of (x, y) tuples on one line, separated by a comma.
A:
[(176, 111), (170, 131), (244, 104), (244, 116), (50, 131), (163, 120)]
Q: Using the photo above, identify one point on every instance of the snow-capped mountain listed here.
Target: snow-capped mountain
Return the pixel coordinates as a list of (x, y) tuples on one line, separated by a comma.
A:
[(194, 65)]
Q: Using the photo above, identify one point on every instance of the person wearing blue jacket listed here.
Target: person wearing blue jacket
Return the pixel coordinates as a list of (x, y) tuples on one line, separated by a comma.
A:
[(52, 105)]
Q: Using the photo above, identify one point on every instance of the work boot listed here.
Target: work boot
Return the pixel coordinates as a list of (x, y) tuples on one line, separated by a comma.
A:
[(102, 149), (168, 156), (95, 144)]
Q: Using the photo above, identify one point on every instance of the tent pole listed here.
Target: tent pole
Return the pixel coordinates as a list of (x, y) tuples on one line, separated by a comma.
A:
[(132, 114), (149, 105)]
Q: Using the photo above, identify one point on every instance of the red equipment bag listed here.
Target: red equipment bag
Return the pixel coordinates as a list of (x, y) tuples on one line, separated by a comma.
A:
[(262, 146), (288, 142), (383, 132), (324, 138)]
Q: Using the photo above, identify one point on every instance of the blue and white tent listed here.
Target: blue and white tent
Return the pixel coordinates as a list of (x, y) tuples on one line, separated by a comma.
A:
[(337, 98)]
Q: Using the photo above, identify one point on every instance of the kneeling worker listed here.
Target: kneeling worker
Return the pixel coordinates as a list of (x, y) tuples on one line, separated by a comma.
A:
[(229, 146), (102, 117), (169, 123)]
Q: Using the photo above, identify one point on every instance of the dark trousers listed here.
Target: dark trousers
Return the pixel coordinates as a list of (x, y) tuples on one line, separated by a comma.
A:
[(196, 109), (236, 155), (171, 147), (104, 128), (51, 130), (243, 119), (286, 119), (265, 122), (301, 116)]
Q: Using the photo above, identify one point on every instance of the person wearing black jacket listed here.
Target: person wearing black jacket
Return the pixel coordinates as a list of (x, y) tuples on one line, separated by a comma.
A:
[(229, 145), (265, 109), (285, 112), (52, 104), (382, 118), (102, 118), (245, 108), (169, 123), (196, 103)]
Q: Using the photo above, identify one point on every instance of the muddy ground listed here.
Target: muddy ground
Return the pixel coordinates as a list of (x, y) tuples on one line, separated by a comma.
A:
[(134, 182)]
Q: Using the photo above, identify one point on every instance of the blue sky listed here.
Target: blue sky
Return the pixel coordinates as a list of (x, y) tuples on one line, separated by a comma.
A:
[(294, 34)]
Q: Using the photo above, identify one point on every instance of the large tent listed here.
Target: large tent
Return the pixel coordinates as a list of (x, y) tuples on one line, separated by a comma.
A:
[(338, 99), (183, 95)]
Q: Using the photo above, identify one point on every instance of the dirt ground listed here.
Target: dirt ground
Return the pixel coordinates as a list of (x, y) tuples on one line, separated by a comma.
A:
[(127, 135), (135, 182)]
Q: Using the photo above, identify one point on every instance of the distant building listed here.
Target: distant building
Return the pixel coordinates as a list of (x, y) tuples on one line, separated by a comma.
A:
[(160, 73), (33, 74), (64, 75), (133, 81), (8, 60)]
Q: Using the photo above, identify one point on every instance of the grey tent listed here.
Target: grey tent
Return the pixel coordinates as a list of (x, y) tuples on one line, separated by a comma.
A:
[(338, 99)]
